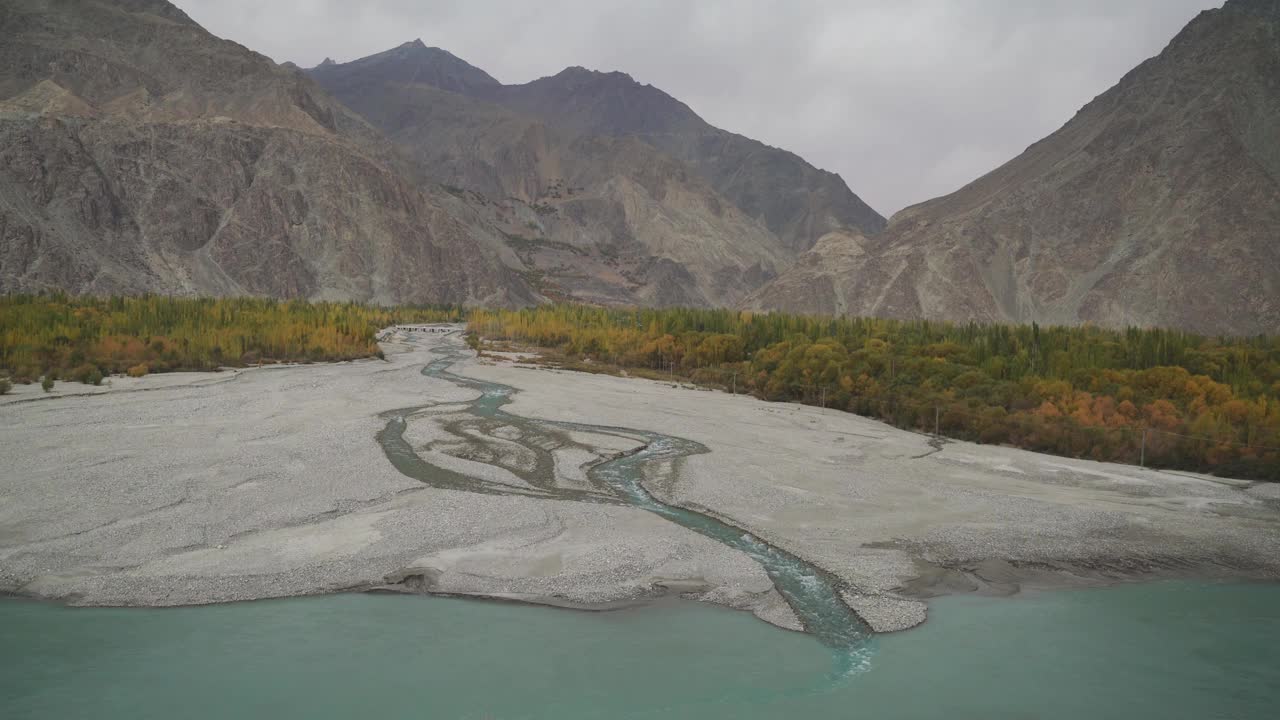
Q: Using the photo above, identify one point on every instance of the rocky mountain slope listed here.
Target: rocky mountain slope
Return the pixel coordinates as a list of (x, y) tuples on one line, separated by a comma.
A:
[(138, 153), (590, 217), (796, 201), (1157, 204)]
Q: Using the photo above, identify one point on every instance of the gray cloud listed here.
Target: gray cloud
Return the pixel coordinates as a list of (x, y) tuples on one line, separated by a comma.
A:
[(906, 99)]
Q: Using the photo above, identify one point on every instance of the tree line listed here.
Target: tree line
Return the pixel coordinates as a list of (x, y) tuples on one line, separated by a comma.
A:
[(1163, 397), (56, 336)]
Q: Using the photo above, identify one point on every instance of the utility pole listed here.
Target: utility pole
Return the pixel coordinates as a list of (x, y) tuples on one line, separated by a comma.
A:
[(822, 402), (735, 382), (1142, 457)]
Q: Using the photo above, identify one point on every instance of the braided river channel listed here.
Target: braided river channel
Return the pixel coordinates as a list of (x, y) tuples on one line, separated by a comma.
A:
[(813, 595)]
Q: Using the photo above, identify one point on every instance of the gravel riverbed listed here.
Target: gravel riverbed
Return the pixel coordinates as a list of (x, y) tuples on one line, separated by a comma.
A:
[(187, 489)]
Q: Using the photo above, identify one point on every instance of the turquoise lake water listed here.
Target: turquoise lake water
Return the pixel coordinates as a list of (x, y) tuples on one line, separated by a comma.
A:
[(1166, 650)]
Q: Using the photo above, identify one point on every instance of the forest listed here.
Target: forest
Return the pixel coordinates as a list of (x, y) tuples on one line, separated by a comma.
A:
[(1162, 398), (58, 337)]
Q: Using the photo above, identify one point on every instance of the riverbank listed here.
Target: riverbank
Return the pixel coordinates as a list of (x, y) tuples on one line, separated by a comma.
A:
[(270, 483), (901, 517)]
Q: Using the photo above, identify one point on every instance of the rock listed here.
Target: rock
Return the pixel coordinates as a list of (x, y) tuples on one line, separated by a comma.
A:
[(775, 611), (887, 613)]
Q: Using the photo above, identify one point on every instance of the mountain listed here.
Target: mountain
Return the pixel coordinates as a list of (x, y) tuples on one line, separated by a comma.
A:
[(139, 153), (826, 280), (1158, 204), (796, 201), (590, 217), (598, 103), (413, 63), (602, 212)]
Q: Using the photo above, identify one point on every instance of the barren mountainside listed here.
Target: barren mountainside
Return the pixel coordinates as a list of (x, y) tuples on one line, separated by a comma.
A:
[(1157, 204), (593, 217), (138, 153), (142, 154), (796, 201)]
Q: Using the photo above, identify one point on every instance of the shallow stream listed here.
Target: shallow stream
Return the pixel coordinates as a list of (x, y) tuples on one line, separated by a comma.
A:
[(813, 595)]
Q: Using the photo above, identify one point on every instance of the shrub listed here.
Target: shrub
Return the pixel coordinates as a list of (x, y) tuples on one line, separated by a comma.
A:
[(46, 383), (138, 370), (5, 386), (87, 374)]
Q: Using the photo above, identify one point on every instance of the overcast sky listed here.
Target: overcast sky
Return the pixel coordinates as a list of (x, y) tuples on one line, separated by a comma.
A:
[(906, 99)]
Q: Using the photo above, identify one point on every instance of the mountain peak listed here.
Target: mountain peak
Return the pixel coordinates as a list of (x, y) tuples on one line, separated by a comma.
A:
[(327, 62), (582, 74), (413, 62), (601, 103), (159, 8)]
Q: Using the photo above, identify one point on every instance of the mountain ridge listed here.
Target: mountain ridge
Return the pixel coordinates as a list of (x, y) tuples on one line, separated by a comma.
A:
[(793, 199), (597, 218)]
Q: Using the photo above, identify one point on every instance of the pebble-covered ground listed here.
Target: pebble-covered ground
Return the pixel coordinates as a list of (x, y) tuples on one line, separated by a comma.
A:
[(901, 517), (269, 482)]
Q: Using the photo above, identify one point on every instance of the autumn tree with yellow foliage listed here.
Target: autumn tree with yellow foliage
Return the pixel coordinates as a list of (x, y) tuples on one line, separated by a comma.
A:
[(1169, 398), (84, 338)]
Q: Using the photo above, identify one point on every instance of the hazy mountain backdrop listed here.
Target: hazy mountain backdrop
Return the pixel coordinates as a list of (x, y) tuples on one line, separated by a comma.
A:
[(1157, 204), (138, 153), (142, 154)]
